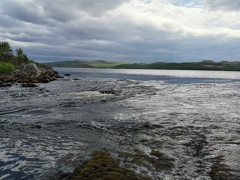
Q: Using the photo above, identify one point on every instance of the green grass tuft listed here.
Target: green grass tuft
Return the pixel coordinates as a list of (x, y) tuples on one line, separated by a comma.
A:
[(6, 67)]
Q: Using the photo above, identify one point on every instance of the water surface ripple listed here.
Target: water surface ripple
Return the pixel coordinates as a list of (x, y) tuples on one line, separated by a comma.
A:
[(55, 127)]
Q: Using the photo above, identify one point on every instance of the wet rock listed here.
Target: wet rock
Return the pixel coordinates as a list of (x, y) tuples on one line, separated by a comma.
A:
[(67, 74), (109, 91), (29, 74), (60, 175), (29, 84), (219, 172), (103, 166), (5, 84), (43, 79), (196, 145), (103, 100), (158, 160), (36, 126)]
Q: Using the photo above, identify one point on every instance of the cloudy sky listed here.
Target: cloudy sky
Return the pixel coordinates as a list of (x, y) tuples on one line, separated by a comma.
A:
[(130, 30)]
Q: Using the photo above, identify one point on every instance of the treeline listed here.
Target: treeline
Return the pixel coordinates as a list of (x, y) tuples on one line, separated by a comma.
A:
[(7, 55), (9, 61), (204, 65)]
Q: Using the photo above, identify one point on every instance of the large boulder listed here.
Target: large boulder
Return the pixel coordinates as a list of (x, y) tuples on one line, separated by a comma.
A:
[(30, 69)]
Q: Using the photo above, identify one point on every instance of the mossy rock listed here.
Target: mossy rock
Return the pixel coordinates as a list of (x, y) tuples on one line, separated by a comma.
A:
[(156, 153), (160, 161), (219, 172), (104, 167)]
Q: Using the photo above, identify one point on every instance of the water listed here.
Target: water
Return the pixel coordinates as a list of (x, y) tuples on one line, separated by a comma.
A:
[(51, 129), (169, 76)]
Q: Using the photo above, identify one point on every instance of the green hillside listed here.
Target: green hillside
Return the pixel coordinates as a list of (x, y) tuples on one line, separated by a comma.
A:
[(87, 64), (204, 65)]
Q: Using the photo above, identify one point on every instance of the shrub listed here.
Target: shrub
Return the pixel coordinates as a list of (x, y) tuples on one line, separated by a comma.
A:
[(6, 67)]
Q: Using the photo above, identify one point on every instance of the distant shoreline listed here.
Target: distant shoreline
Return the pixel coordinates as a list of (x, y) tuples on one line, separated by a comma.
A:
[(148, 69), (102, 64)]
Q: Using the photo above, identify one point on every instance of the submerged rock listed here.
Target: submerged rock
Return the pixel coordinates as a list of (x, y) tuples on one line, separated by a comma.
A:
[(29, 84), (156, 159), (219, 172), (5, 84), (36, 126), (108, 91), (104, 167)]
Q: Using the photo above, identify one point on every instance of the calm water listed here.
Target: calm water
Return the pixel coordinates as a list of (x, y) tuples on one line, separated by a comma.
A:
[(169, 76), (192, 117)]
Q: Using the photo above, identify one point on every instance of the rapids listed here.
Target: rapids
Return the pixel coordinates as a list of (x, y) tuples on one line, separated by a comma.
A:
[(53, 128)]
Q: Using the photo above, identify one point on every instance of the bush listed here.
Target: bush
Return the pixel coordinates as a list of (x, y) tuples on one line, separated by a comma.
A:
[(6, 67)]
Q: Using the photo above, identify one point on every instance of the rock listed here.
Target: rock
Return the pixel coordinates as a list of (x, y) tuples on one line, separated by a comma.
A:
[(29, 68), (104, 166), (5, 84), (28, 74), (103, 100), (37, 126), (29, 85), (44, 68), (67, 74), (109, 91)]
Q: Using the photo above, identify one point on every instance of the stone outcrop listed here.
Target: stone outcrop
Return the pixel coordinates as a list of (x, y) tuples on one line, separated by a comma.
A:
[(28, 74), (30, 69)]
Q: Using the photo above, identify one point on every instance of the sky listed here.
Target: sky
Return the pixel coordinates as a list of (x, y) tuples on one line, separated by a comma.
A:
[(124, 30)]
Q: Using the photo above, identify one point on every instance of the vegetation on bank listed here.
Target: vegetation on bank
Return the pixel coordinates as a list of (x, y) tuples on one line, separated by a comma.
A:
[(9, 61), (6, 67), (204, 65)]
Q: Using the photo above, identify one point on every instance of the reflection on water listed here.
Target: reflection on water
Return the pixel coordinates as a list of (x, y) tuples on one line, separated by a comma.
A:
[(54, 127), (146, 74)]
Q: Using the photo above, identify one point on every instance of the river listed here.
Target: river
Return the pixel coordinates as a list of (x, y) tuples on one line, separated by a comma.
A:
[(192, 117)]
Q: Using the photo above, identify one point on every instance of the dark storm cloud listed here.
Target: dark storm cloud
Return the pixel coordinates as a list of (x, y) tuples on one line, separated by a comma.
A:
[(27, 11), (63, 10), (56, 30), (40, 12), (186, 49)]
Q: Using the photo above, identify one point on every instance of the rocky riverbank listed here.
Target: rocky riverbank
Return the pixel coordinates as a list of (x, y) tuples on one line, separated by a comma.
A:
[(28, 75)]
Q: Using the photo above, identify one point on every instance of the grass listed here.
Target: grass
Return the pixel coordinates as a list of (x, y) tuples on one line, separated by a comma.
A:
[(6, 67)]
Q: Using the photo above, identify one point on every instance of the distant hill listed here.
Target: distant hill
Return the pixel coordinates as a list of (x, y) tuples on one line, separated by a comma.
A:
[(204, 65), (87, 64)]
